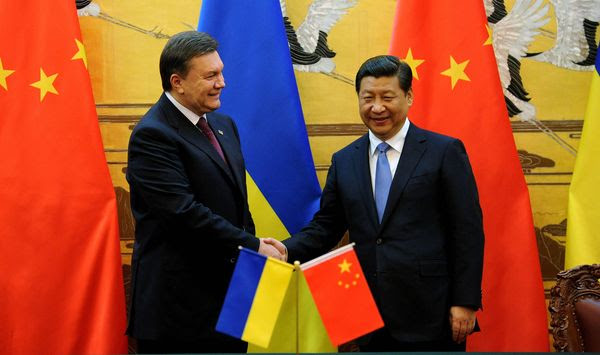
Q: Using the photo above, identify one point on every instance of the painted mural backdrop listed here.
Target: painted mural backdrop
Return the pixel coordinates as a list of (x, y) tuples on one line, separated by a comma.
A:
[(544, 48)]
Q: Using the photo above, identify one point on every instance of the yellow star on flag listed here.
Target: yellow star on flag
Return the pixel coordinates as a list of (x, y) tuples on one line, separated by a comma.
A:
[(80, 53), (344, 266), (456, 71), (488, 41), (45, 84), (414, 63), (4, 73)]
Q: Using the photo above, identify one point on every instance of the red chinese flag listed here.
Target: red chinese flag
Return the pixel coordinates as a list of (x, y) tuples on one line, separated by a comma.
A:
[(457, 92), (342, 295), (61, 286)]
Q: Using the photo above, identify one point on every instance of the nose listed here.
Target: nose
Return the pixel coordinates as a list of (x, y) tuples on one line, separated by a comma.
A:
[(377, 107), (220, 83)]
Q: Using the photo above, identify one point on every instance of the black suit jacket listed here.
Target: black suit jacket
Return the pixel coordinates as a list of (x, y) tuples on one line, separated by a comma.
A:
[(191, 215), (427, 254)]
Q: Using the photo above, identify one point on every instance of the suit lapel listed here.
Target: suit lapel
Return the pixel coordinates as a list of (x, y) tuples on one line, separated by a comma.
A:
[(414, 147), (230, 147), (192, 134), (363, 173)]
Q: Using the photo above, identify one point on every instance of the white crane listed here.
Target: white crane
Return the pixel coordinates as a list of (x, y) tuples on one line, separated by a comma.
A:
[(576, 25), (512, 34), (308, 45)]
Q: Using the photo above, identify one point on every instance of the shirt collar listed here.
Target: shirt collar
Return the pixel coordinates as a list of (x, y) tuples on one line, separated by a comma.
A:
[(396, 142), (194, 118)]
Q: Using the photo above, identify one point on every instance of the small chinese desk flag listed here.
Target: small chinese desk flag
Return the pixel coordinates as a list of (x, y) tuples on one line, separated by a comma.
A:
[(342, 296)]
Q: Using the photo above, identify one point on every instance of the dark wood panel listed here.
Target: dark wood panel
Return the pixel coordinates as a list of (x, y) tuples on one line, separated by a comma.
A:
[(351, 129)]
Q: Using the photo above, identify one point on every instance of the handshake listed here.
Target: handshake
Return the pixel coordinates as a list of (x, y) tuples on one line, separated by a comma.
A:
[(273, 248)]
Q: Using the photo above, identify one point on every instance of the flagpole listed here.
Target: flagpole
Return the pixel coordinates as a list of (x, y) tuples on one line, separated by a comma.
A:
[(297, 270)]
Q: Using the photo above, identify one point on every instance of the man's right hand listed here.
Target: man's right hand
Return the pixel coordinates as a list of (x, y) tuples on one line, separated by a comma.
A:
[(462, 322), (273, 248)]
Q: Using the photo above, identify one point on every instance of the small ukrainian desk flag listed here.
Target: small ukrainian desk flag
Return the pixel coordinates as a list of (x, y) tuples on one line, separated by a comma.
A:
[(256, 292)]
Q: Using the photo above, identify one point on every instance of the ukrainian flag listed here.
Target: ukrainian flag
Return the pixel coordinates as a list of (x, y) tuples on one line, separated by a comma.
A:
[(583, 223), (256, 291), (299, 328), (262, 97)]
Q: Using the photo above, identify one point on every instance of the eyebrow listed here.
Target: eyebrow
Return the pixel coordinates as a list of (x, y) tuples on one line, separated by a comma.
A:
[(212, 72), (215, 69), (372, 92)]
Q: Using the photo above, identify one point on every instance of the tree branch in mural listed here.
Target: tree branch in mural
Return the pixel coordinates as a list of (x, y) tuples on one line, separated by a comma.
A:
[(513, 32), (308, 46), (90, 8), (551, 245)]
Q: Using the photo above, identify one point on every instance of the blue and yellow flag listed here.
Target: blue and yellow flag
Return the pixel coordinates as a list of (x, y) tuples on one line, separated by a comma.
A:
[(583, 223), (262, 97), (299, 328), (255, 295)]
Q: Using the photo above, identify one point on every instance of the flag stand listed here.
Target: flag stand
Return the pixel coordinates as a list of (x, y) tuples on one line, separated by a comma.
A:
[(296, 269)]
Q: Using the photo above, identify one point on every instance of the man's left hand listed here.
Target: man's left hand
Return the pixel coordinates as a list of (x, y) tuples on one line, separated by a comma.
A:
[(462, 322), (268, 247), (277, 245)]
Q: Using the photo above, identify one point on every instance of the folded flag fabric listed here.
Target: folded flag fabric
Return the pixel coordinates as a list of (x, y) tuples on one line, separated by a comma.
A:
[(283, 196), (450, 50), (61, 283), (342, 295), (253, 301), (583, 244), (299, 328)]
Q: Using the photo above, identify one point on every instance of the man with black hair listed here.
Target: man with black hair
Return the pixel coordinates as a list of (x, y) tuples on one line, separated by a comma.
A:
[(408, 199), (188, 196)]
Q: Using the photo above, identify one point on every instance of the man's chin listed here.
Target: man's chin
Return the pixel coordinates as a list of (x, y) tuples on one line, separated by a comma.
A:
[(214, 106), (380, 133), (380, 129)]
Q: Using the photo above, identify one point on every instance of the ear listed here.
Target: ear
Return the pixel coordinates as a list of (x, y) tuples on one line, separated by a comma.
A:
[(409, 97), (176, 83)]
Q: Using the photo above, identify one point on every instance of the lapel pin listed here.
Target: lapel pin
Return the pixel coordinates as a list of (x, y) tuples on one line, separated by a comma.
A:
[(220, 132)]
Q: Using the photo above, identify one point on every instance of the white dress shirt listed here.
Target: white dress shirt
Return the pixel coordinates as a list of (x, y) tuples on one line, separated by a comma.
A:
[(194, 118), (393, 154)]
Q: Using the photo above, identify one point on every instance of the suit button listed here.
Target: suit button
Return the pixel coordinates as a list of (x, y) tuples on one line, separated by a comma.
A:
[(379, 241), (232, 260)]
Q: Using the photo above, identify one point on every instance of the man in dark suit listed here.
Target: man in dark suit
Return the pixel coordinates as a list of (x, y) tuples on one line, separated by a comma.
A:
[(409, 200), (188, 196)]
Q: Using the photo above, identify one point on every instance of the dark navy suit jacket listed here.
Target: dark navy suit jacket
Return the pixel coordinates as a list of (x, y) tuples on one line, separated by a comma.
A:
[(191, 215), (427, 253)]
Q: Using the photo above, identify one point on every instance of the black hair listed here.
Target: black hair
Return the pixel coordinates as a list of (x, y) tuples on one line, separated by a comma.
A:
[(179, 50), (385, 65)]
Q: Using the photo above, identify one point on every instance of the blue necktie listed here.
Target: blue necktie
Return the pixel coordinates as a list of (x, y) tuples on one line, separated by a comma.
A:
[(383, 179)]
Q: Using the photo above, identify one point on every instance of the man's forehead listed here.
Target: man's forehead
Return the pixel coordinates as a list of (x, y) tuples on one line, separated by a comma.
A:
[(383, 77), (380, 81), (209, 61)]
